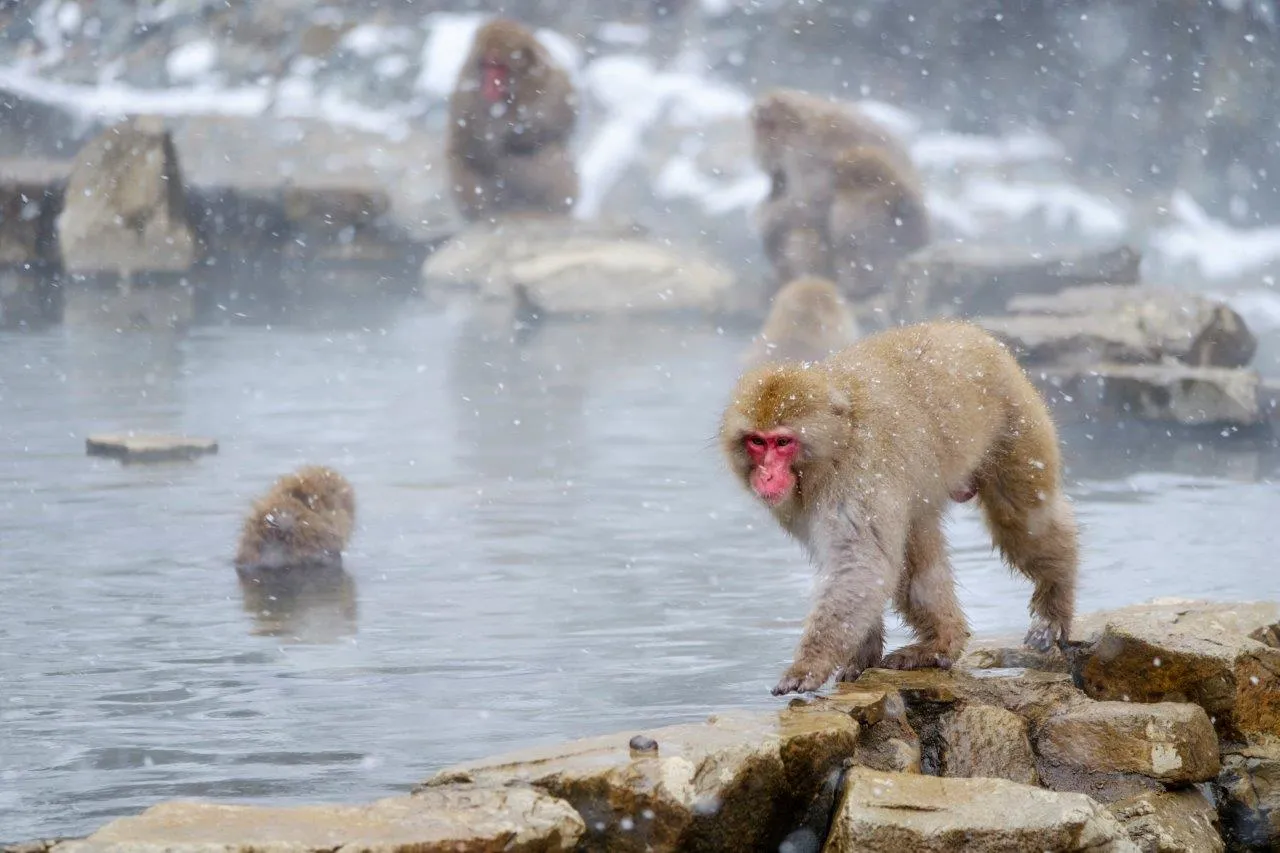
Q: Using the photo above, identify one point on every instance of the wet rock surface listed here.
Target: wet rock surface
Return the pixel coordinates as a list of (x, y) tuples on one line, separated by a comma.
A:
[(890, 812), (1170, 822), (453, 819), (557, 266), (30, 200)]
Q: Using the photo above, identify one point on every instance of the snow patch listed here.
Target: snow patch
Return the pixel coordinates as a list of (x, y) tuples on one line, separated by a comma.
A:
[(1259, 307), (449, 37), (1062, 205), (188, 62), (369, 40), (681, 178), (1215, 248), (955, 150)]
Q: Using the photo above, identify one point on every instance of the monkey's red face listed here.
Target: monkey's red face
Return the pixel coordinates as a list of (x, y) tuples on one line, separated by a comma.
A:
[(772, 454), (495, 80)]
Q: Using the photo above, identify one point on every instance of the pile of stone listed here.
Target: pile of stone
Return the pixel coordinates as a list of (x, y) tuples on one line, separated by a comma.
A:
[(119, 235), (1099, 342), (1158, 731)]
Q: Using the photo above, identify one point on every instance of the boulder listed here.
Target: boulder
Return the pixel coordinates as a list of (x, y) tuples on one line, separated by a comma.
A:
[(124, 210), (1248, 797), (28, 298), (449, 819), (892, 812), (30, 199), (994, 655), (146, 306), (1169, 653), (1082, 326), (1166, 323), (1175, 394), (983, 740), (736, 782), (131, 447), (1170, 822), (967, 279), (1168, 741), (554, 266)]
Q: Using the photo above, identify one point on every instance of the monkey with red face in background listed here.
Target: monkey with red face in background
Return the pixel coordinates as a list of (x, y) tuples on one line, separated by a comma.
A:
[(858, 456), (877, 217), (302, 522), (809, 321), (511, 116), (798, 139)]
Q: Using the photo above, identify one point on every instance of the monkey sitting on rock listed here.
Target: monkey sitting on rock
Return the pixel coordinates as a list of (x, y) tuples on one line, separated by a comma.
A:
[(511, 116), (303, 522), (858, 457)]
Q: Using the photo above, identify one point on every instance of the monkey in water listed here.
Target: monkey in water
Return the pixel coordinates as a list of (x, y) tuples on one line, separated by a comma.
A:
[(303, 522), (797, 139), (809, 321), (510, 119), (877, 217), (858, 456)]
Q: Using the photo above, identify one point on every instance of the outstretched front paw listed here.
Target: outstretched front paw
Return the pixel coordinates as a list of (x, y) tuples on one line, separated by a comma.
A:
[(916, 656), (802, 677), (1043, 635)]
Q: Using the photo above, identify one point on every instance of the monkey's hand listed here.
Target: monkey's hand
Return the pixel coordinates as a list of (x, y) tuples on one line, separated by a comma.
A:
[(803, 676)]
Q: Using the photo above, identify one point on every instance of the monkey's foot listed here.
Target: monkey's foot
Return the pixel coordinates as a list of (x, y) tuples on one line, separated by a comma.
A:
[(916, 656), (1044, 635), (802, 677)]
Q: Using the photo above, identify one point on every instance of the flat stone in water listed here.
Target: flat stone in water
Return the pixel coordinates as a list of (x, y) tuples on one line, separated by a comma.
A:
[(148, 448)]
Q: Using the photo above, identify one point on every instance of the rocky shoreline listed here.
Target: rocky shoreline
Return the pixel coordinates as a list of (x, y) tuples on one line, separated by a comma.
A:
[(1158, 731)]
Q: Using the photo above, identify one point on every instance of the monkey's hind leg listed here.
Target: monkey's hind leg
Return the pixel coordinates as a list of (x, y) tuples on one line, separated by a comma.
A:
[(1035, 529), (867, 655), (926, 597)]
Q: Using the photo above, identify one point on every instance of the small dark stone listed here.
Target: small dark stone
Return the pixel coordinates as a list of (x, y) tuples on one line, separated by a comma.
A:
[(644, 743)]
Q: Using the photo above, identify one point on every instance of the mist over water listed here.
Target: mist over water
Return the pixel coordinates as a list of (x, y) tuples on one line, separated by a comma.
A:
[(548, 547)]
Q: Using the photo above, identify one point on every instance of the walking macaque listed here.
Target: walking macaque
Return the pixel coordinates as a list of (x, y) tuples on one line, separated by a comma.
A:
[(798, 139), (303, 522), (510, 120), (877, 218), (809, 321), (857, 457)]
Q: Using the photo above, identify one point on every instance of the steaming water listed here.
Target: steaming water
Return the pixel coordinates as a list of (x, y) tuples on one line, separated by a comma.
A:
[(548, 548)]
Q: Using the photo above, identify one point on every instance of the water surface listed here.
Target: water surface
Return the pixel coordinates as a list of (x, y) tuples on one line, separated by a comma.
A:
[(548, 547)]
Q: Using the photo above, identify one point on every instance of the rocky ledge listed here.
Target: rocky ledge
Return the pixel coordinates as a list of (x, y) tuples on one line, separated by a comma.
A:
[(1158, 730)]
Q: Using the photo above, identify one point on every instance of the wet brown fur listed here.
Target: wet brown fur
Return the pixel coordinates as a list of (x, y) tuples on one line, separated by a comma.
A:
[(877, 218), (809, 320), (797, 139), (517, 161), (303, 521), (888, 429)]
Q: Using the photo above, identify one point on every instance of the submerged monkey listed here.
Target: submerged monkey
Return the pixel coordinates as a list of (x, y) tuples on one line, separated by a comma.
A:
[(809, 321), (303, 522), (858, 457), (511, 116)]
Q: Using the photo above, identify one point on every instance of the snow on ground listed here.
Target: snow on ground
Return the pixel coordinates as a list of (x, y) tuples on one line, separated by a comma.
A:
[(189, 62), (449, 37), (1214, 248), (960, 150)]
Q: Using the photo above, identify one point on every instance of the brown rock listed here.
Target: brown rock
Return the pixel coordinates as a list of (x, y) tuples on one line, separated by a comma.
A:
[(1098, 785), (983, 740), (454, 818), (130, 447), (996, 656), (965, 278), (124, 209), (1163, 393), (1186, 615), (1172, 742), (1135, 324), (887, 741), (1248, 798), (893, 812), (1170, 822), (1143, 657), (146, 306), (738, 782)]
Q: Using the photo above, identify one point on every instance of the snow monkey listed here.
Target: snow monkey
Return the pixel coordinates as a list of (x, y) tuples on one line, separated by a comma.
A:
[(303, 521), (877, 218), (797, 141), (510, 119), (809, 321), (858, 457)]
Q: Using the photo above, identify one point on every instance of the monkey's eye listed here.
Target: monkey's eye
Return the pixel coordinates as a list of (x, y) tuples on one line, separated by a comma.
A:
[(755, 441), (784, 441)]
